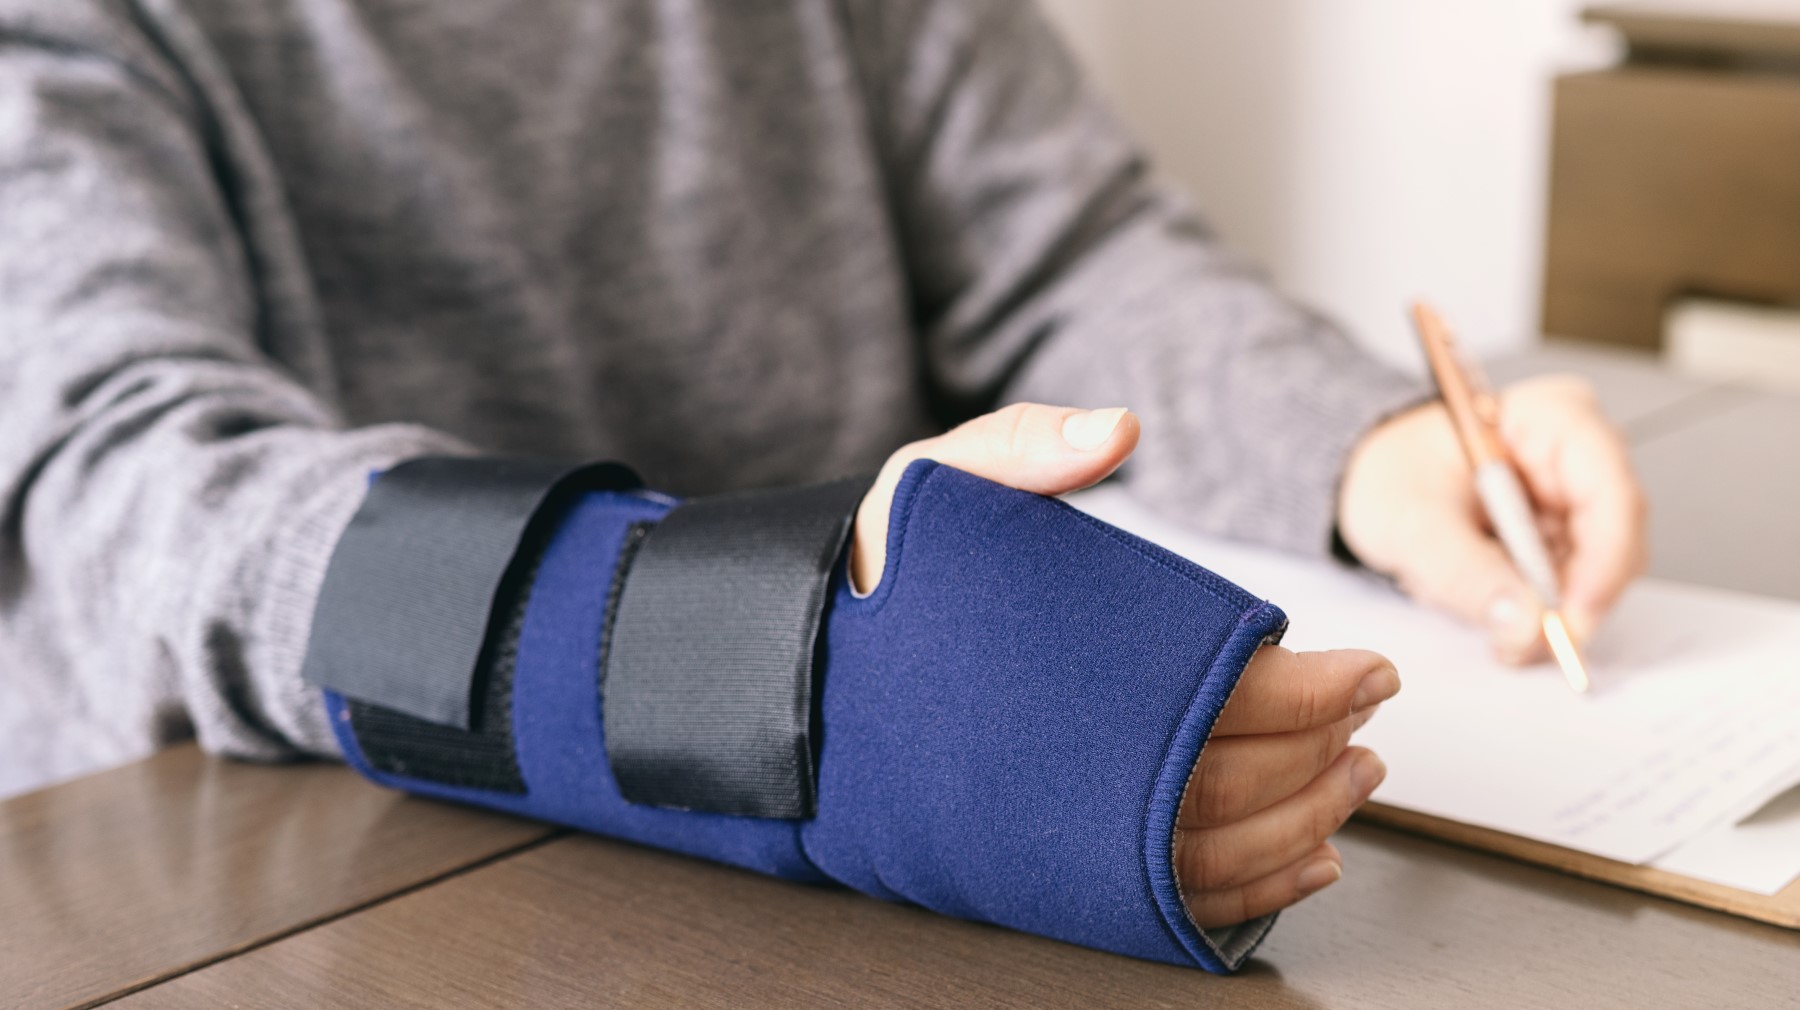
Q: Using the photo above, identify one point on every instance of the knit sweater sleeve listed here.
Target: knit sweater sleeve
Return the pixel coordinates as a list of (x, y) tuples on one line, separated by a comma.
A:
[(169, 495), (1049, 265)]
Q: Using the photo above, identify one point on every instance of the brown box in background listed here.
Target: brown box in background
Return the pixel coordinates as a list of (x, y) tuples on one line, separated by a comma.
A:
[(1676, 173)]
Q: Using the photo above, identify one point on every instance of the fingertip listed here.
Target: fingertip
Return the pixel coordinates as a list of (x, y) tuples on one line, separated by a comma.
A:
[(1353, 667), (1366, 659), (1593, 591), (1376, 686), (1037, 447), (1581, 622), (1093, 430), (1130, 429), (1283, 690), (1367, 771), (1308, 875), (1121, 444), (1520, 651), (1102, 440), (1317, 875), (1514, 626)]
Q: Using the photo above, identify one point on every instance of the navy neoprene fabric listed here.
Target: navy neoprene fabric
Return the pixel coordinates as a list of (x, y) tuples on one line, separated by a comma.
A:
[(1007, 723)]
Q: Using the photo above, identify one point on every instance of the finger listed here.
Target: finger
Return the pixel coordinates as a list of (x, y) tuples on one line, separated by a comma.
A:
[(1282, 691), (1034, 447), (1240, 775), (1468, 573), (1607, 515), (1578, 463), (1029, 446), (1233, 855), (1308, 875)]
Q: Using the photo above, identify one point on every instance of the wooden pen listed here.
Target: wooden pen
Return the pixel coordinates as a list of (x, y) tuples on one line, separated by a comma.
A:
[(1475, 414)]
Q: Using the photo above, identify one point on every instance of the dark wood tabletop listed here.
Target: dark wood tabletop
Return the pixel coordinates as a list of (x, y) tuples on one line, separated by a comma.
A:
[(583, 921), (128, 877), (186, 881)]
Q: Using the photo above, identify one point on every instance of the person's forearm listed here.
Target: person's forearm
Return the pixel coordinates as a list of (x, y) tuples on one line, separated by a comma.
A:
[(1251, 404), (168, 495), (173, 540), (1022, 698), (1069, 275)]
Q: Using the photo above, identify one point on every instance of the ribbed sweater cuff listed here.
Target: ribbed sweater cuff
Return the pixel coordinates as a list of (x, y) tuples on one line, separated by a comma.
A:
[(1329, 421)]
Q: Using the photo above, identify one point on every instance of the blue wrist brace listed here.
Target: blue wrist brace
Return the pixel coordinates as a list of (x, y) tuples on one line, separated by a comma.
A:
[(1006, 725)]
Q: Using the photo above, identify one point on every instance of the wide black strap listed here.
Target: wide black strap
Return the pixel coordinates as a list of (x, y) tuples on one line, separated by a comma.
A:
[(410, 592), (707, 680), (484, 756)]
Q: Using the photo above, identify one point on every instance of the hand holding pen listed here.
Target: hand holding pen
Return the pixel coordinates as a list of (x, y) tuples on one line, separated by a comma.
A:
[(1410, 507), (1475, 414)]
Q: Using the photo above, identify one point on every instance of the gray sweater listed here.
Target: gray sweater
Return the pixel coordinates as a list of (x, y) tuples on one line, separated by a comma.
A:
[(251, 250)]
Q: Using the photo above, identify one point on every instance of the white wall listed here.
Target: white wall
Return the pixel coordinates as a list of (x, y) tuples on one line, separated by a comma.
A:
[(1366, 151)]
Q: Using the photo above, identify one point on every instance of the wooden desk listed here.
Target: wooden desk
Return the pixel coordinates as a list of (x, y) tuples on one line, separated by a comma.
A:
[(124, 878), (184, 881)]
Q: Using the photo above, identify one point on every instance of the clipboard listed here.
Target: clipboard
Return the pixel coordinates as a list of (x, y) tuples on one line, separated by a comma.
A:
[(1779, 909)]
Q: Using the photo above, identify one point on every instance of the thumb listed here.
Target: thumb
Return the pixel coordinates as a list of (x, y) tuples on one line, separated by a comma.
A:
[(1045, 450), (1468, 573), (1029, 446)]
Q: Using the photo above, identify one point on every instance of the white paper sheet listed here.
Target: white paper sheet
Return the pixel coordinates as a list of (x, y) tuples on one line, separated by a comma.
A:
[(1692, 724), (1760, 853)]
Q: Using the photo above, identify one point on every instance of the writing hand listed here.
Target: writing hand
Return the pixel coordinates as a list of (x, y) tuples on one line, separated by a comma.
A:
[(1407, 508)]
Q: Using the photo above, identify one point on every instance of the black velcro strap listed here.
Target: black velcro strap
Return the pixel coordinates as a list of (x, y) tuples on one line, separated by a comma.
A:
[(708, 675), (409, 595), (483, 756)]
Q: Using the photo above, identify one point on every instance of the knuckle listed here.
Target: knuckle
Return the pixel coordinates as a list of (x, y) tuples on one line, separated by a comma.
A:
[(1326, 817), (1309, 703), (1009, 429), (1218, 793), (1575, 390), (1203, 860), (1328, 744), (1236, 905), (1344, 799), (1330, 810)]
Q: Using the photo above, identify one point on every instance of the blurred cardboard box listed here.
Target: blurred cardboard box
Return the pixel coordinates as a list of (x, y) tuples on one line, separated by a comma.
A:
[(1677, 173)]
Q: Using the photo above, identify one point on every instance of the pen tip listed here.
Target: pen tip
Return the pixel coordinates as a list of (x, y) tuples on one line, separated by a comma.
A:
[(1562, 646)]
